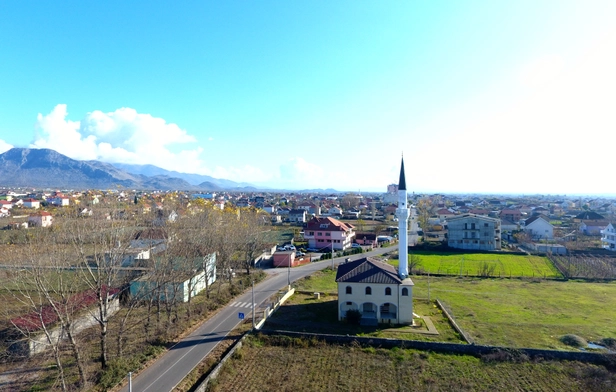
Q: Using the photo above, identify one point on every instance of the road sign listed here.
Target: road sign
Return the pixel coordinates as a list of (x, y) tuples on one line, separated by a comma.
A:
[(241, 316)]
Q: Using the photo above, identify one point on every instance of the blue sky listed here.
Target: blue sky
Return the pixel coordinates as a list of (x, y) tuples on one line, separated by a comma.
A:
[(480, 96)]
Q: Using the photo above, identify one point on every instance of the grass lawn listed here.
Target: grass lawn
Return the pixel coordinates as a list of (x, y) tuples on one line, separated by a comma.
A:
[(510, 312), (472, 264), (525, 313), (284, 364)]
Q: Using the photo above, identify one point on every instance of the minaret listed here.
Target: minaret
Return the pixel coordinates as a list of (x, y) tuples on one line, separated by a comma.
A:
[(402, 213)]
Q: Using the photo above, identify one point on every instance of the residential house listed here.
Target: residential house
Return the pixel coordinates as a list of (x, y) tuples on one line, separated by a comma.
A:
[(444, 214), (592, 227), (60, 200), (270, 209), (608, 238), (376, 290), (539, 227), (329, 233), (475, 232), (6, 204), (29, 203), (42, 219), (297, 216), (510, 215), (334, 210), (154, 239), (366, 239)]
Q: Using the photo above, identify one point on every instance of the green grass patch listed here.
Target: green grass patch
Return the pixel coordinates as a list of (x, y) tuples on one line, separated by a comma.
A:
[(479, 264), (525, 313)]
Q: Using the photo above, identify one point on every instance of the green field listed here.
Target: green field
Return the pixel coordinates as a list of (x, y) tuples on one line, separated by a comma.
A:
[(486, 264), (514, 312), (525, 313), (282, 364)]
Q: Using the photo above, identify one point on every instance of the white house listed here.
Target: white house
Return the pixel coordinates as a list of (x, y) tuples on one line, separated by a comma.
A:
[(42, 219), (334, 210), (61, 201), (29, 203), (539, 228), (608, 237)]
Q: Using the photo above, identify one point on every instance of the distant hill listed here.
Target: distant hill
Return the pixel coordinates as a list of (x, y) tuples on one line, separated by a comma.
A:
[(202, 181), (45, 168)]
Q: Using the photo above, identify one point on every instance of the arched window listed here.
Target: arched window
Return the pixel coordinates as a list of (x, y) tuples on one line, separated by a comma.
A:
[(387, 290), (349, 290), (405, 292), (368, 290)]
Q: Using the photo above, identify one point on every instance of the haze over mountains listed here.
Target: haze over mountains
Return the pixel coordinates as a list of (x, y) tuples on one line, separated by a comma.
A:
[(26, 167)]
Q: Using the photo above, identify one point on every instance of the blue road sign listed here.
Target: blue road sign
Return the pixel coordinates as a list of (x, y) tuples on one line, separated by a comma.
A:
[(241, 316)]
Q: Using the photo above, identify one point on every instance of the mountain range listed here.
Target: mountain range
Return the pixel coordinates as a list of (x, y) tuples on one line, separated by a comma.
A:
[(45, 168)]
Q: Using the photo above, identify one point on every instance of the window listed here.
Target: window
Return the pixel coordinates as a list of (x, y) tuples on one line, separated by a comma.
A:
[(472, 226), (368, 290), (387, 290), (311, 232), (349, 290), (405, 292), (328, 234), (349, 303), (485, 225)]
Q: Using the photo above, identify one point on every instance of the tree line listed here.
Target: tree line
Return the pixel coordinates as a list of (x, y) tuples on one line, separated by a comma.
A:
[(82, 267)]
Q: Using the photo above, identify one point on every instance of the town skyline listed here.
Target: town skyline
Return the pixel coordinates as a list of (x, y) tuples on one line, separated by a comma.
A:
[(482, 98)]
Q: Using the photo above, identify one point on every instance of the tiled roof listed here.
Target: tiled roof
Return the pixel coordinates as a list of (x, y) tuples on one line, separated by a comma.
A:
[(367, 270), (332, 224)]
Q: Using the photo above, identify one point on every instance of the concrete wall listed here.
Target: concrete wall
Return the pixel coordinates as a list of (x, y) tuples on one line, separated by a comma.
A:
[(452, 348)]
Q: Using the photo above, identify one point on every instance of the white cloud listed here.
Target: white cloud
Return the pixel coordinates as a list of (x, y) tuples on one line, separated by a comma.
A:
[(301, 173), (4, 146), (120, 136)]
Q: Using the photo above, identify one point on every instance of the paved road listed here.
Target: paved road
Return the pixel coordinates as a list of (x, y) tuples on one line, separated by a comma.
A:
[(171, 368)]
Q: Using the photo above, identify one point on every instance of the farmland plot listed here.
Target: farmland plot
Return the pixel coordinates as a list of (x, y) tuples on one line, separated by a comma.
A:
[(281, 364), (586, 266)]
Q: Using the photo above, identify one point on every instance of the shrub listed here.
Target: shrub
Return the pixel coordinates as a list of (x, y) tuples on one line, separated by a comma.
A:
[(573, 341), (353, 316), (608, 342)]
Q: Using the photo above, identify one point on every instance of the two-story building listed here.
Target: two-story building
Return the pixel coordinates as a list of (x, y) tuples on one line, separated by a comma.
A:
[(329, 233), (608, 238), (471, 231)]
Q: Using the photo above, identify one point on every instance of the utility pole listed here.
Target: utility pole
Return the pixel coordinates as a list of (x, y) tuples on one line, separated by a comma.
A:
[(332, 255), (289, 271), (130, 381), (253, 304)]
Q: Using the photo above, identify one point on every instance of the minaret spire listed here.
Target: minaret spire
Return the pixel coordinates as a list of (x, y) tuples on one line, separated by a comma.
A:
[(402, 180), (402, 213)]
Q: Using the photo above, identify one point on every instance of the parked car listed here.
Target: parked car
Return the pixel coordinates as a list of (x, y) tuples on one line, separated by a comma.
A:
[(355, 245)]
